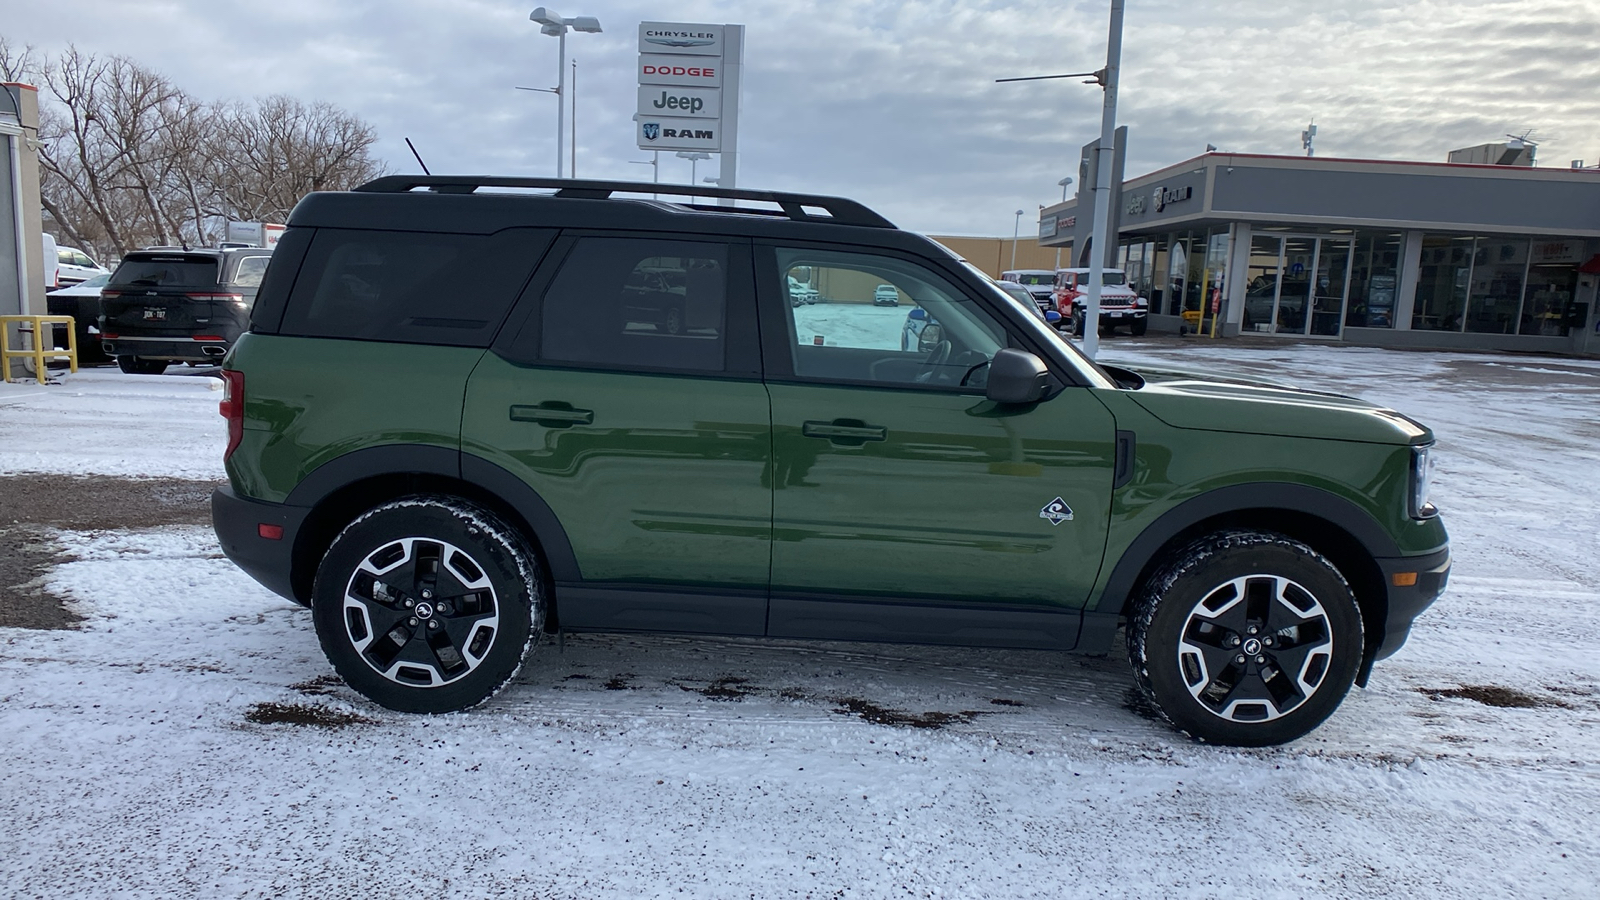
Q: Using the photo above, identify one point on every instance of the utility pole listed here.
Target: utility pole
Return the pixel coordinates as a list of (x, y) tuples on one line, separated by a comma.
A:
[(1101, 241)]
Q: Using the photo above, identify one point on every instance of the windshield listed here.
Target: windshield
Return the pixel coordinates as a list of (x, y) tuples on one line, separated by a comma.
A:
[(1033, 279)]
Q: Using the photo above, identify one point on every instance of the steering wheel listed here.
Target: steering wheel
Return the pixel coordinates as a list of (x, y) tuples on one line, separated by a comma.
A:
[(937, 357)]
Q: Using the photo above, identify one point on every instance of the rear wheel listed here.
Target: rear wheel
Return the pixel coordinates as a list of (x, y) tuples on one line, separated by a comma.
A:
[(1247, 638), (428, 604), (1077, 323), (133, 365)]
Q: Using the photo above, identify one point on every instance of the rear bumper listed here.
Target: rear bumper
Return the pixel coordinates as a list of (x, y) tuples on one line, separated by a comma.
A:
[(1406, 602), (238, 522), (178, 348)]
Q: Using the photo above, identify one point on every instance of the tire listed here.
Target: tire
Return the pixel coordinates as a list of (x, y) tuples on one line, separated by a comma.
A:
[(674, 322), (1196, 616), (1077, 324), (133, 365), (381, 588), (1138, 327)]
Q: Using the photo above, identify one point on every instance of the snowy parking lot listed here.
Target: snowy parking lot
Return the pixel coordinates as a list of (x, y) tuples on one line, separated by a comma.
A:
[(187, 738)]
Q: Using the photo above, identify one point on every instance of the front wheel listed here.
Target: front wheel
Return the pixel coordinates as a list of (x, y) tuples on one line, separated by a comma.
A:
[(1138, 326), (1246, 638), (1077, 323), (428, 604)]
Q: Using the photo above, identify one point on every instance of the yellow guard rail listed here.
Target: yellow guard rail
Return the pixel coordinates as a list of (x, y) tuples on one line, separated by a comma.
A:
[(34, 328)]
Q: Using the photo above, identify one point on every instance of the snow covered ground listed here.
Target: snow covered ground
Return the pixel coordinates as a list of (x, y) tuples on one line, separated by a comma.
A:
[(147, 754)]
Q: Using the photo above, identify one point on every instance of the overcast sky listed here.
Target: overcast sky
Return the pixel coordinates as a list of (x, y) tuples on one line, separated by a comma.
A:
[(893, 102)]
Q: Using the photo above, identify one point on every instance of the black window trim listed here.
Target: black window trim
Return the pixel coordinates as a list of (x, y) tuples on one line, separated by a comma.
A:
[(775, 342), (741, 345)]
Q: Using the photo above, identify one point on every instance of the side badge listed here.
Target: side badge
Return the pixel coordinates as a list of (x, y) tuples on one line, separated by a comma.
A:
[(1056, 512)]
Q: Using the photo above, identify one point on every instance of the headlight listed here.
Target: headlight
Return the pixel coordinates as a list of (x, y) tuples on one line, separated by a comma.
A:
[(1421, 482)]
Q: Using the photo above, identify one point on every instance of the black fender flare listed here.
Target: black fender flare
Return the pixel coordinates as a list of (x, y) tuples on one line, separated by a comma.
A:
[(422, 459), (1296, 498)]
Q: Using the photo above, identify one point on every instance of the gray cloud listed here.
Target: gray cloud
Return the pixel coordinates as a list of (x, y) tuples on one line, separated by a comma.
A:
[(894, 102)]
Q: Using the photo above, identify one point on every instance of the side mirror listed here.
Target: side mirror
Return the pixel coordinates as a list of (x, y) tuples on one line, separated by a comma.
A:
[(1053, 317), (1016, 376), (931, 335)]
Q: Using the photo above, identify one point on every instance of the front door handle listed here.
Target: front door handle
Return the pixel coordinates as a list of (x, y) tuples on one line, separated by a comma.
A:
[(553, 414), (845, 432)]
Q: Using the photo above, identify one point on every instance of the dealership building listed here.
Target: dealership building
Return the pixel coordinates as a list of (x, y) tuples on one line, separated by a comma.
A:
[(1383, 253)]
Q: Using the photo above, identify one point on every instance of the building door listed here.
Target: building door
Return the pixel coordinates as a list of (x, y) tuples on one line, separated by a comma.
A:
[(1330, 287), (1294, 285)]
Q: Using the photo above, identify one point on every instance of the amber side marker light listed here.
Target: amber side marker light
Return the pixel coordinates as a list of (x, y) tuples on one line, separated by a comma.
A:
[(1401, 579), (275, 533)]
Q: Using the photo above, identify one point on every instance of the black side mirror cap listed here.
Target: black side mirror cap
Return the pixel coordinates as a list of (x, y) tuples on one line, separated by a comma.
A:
[(1017, 376)]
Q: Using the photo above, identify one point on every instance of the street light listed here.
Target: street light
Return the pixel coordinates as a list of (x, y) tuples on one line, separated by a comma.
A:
[(1107, 78), (694, 157), (1016, 229), (1063, 182), (557, 27)]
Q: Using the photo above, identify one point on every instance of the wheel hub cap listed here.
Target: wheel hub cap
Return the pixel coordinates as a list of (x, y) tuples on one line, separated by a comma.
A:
[(421, 643), (1239, 676)]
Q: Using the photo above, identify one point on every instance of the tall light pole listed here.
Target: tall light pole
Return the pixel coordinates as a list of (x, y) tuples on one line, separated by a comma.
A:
[(1063, 182), (554, 25), (1107, 79), (694, 157), (1016, 228)]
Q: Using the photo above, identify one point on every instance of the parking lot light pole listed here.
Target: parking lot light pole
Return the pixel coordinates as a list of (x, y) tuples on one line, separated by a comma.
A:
[(1063, 182), (1016, 228), (554, 25), (694, 157), (1102, 186)]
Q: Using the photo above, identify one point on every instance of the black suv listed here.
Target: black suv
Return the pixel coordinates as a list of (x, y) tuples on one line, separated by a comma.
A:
[(170, 304), (626, 424)]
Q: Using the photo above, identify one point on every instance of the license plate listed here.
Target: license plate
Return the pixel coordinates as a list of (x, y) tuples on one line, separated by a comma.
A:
[(154, 314), (1115, 313)]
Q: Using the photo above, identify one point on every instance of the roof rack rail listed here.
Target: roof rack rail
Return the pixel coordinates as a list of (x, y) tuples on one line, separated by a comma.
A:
[(840, 211)]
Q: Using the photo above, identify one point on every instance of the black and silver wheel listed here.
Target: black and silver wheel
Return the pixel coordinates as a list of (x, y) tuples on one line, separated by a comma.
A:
[(428, 604), (674, 322), (1246, 638)]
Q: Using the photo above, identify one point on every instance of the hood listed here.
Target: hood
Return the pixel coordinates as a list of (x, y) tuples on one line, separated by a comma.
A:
[(1207, 403)]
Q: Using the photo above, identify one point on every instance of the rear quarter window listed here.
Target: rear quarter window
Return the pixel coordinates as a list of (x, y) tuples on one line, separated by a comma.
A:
[(409, 287), (250, 271)]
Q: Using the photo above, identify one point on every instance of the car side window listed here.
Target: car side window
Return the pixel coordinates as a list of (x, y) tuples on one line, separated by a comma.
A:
[(251, 269), (882, 320), (632, 303)]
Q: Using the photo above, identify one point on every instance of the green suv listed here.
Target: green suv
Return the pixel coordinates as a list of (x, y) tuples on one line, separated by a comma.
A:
[(468, 414)]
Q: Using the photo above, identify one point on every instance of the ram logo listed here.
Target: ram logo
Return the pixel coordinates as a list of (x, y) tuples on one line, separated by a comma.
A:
[(652, 130)]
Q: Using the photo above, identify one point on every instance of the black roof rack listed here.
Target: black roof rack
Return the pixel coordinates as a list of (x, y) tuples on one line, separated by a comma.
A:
[(840, 211)]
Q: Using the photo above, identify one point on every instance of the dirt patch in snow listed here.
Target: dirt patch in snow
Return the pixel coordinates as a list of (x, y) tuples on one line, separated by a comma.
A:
[(303, 714), (882, 715), (32, 505), (1493, 695)]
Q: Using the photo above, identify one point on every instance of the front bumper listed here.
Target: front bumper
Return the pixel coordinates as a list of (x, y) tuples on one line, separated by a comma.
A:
[(1428, 576), (238, 522)]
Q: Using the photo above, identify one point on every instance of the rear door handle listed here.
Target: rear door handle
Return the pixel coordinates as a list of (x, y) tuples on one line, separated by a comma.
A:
[(553, 414), (845, 432)]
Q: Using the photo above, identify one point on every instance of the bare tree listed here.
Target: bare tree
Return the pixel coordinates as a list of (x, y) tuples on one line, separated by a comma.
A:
[(18, 63), (281, 149), (131, 159)]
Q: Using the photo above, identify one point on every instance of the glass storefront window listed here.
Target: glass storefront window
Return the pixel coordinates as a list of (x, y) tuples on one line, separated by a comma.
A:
[(1177, 272), (1261, 290), (1497, 268), (1442, 275), (1547, 299), (1374, 280)]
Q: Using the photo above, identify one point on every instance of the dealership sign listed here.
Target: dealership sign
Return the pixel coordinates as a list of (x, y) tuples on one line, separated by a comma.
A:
[(681, 86), (655, 68)]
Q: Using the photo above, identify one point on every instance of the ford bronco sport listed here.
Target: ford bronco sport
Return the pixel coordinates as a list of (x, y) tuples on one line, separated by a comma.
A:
[(446, 460)]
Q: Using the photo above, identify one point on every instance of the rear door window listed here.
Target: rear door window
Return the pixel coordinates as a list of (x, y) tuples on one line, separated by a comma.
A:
[(628, 303), (406, 287)]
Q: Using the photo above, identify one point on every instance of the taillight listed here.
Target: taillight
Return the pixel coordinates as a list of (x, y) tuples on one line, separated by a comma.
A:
[(232, 408), (110, 295)]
